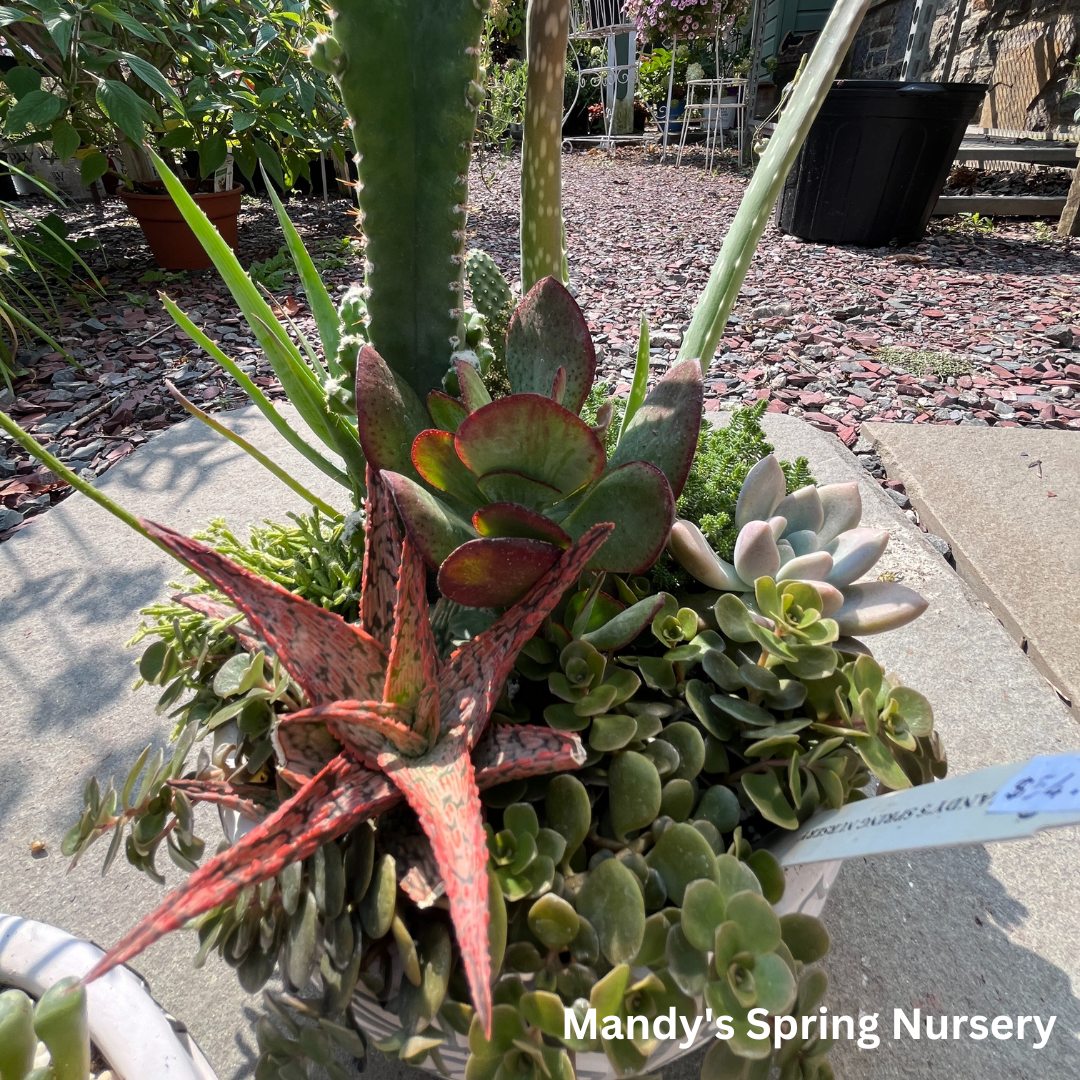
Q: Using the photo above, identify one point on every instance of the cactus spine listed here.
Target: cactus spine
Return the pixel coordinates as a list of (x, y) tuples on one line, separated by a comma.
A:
[(408, 72), (543, 238)]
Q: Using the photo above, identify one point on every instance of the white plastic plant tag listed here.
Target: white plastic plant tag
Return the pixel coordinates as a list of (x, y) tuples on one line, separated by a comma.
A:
[(223, 177), (948, 813), (1045, 784)]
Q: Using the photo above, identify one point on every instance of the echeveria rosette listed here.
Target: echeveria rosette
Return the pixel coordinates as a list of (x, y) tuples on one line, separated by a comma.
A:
[(811, 535), (497, 489)]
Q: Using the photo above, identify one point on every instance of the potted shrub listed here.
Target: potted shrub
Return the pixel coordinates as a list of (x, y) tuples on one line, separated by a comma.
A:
[(230, 80), (549, 791)]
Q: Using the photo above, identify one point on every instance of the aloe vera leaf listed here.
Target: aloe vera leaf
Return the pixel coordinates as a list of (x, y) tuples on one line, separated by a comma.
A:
[(542, 235), (322, 307), (408, 73), (287, 479), (716, 302)]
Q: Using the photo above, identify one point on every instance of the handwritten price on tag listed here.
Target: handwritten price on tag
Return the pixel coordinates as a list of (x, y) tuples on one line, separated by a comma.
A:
[(1045, 785)]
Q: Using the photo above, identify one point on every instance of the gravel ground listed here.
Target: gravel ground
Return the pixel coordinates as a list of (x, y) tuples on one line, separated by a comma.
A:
[(969, 326)]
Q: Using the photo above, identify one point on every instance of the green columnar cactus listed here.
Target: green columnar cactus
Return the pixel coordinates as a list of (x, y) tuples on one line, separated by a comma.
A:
[(408, 72), (543, 239)]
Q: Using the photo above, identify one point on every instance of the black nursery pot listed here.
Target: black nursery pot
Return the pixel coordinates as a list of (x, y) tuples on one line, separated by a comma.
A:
[(875, 161)]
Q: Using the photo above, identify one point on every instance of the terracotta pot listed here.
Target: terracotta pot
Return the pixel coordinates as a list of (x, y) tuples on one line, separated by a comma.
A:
[(172, 243)]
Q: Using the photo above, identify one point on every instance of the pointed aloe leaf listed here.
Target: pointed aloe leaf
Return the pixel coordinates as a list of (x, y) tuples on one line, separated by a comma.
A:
[(322, 307), (412, 673), (494, 572), (433, 525), (265, 406), (517, 751), (547, 331), (636, 498), (473, 391), (664, 431), (512, 519), (297, 379), (718, 299), (441, 789), (437, 462), (330, 658), (532, 435), (382, 558), (334, 802), (389, 416), (473, 676), (619, 631), (447, 412), (640, 384)]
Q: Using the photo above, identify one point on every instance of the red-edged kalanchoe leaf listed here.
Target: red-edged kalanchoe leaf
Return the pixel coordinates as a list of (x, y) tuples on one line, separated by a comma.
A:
[(437, 462), (473, 675), (508, 752), (664, 431), (637, 499), (494, 572), (330, 658), (412, 674), (534, 436), (214, 609), (512, 519), (446, 412), (433, 526), (558, 385), (441, 789), (505, 485), (547, 331), (335, 801), (253, 801), (388, 414), (474, 394), (382, 557)]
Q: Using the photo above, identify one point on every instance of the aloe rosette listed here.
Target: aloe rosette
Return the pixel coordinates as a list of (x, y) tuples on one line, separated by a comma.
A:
[(498, 489), (811, 535)]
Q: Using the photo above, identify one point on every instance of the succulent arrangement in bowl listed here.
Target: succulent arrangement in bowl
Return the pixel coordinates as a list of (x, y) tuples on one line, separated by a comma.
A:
[(504, 741)]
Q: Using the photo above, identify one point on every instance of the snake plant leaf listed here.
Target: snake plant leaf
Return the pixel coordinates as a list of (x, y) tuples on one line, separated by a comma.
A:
[(842, 507), (534, 436), (635, 498), (873, 607), (802, 509), (548, 331), (694, 553), (437, 462), (853, 553), (512, 519), (761, 492), (612, 901), (474, 393), (505, 485), (682, 855), (388, 413), (445, 411), (622, 628), (764, 789), (434, 527), (664, 431), (494, 572)]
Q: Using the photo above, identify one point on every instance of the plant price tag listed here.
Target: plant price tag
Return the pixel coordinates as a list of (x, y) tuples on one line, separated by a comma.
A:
[(1043, 785)]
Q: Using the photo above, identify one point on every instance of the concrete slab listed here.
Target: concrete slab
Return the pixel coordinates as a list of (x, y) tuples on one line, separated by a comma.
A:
[(1008, 501), (965, 932)]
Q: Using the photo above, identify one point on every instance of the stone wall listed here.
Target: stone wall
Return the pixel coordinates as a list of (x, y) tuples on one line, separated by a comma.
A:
[(878, 49), (1023, 52)]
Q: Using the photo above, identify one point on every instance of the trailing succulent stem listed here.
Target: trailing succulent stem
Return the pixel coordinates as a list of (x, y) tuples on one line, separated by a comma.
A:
[(408, 72), (543, 238)]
